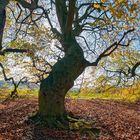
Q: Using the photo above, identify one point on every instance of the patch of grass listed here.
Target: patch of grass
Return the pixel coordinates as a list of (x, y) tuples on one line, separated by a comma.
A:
[(22, 93), (4, 93), (28, 93), (123, 96)]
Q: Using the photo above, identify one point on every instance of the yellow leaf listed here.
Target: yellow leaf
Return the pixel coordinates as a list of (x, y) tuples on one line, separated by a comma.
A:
[(96, 5), (103, 1), (119, 15), (126, 27), (135, 14)]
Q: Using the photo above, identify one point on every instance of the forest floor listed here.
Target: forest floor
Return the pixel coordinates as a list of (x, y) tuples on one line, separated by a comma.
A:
[(114, 120)]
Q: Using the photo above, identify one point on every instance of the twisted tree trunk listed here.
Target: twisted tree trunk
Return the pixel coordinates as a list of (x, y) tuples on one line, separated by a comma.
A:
[(54, 88)]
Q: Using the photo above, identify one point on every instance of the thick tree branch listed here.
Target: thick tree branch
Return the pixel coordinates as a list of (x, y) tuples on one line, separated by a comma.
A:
[(10, 50), (61, 11), (70, 17)]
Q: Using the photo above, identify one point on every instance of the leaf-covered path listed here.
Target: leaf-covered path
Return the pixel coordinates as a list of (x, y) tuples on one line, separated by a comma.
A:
[(115, 120)]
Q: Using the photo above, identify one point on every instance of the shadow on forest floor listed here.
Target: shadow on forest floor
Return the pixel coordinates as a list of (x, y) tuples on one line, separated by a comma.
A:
[(111, 120)]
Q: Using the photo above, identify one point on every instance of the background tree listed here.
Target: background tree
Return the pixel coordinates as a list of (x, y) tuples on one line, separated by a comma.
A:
[(15, 83)]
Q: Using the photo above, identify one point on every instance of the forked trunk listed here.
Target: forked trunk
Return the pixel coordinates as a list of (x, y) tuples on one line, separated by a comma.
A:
[(54, 88)]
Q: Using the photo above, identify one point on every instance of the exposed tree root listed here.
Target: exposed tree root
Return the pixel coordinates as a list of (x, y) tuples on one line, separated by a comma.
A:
[(66, 123)]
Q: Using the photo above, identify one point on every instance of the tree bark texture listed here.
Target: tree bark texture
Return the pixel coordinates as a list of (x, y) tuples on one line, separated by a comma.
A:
[(54, 88)]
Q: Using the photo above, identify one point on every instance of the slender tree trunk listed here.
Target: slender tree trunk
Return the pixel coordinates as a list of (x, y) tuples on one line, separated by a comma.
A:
[(14, 93), (54, 88)]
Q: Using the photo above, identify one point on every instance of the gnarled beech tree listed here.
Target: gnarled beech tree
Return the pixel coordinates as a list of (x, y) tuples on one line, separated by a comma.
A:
[(75, 19)]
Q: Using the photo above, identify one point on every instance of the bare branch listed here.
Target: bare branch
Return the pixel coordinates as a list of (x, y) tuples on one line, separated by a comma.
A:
[(4, 74), (133, 71), (110, 49)]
